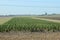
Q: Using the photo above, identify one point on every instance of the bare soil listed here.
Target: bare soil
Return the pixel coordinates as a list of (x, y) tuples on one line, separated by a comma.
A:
[(29, 36)]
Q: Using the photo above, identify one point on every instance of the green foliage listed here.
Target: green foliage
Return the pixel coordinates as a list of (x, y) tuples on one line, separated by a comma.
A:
[(28, 24)]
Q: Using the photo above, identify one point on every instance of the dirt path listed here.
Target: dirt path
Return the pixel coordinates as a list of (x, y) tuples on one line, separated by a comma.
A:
[(30, 36), (58, 21)]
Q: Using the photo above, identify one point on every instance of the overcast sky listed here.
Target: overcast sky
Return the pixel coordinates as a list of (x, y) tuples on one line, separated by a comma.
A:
[(29, 6)]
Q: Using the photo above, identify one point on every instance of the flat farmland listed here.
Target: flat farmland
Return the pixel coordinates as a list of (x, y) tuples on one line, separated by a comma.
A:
[(27, 28), (29, 24)]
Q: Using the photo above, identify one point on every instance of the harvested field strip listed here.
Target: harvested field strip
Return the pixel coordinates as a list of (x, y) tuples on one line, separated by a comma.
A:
[(52, 20), (4, 19), (50, 17)]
